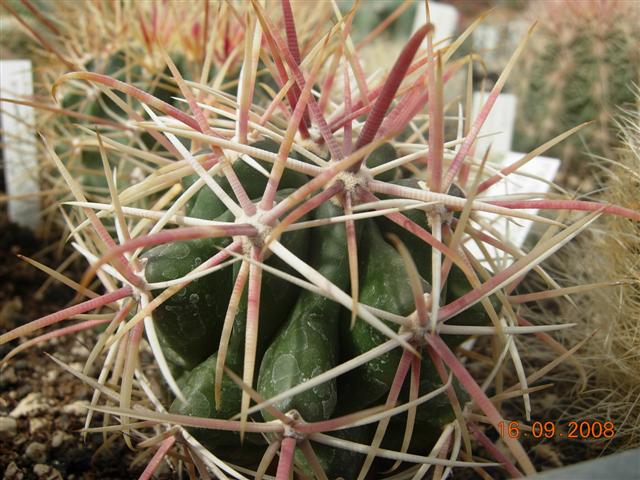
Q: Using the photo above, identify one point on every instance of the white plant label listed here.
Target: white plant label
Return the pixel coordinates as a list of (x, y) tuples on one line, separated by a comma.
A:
[(444, 17), (533, 177), (499, 124), (18, 136)]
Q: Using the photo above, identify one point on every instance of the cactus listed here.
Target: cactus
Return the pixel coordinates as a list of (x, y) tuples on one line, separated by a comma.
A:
[(310, 295), (580, 68), (133, 55), (610, 384)]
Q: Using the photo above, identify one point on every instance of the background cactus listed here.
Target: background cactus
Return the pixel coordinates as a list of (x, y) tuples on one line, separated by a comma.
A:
[(122, 42), (610, 385), (270, 228), (581, 67)]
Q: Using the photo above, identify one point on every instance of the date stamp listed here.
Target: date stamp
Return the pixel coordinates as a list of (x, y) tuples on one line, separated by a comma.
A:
[(582, 430)]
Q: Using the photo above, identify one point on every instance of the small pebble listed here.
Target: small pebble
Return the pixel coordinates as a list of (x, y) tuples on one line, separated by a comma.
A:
[(77, 366), (41, 470), (78, 351), (59, 438), (29, 406), (46, 471), (36, 424), (64, 421), (8, 425), (13, 472), (37, 452), (79, 407)]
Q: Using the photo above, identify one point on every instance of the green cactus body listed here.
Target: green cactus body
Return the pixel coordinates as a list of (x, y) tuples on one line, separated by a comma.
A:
[(205, 204), (577, 76), (98, 104), (74, 98), (336, 462), (115, 65), (384, 286), (93, 178), (189, 323), (160, 86), (197, 387), (307, 344), (456, 284), (437, 412), (430, 416), (381, 155), (277, 298), (420, 250)]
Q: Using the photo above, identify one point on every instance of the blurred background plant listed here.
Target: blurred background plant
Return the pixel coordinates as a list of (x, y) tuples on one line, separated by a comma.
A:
[(119, 39), (610, 313), (580, 67), (16, 42)]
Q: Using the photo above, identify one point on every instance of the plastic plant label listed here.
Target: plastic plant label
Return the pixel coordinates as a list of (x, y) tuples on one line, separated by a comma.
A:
[(534, 177), (500, 122), (20, 152), (443, 16)]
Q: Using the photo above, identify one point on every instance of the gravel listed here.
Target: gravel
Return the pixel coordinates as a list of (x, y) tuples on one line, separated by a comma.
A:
[(41, 406), (8, 426)]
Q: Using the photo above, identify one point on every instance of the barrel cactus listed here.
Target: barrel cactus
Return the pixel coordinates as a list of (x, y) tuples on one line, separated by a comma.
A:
[(300, 274), (124, 41), (580, 68)]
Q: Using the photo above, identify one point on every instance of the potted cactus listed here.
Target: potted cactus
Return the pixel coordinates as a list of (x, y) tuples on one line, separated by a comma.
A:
[(299, 270)]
